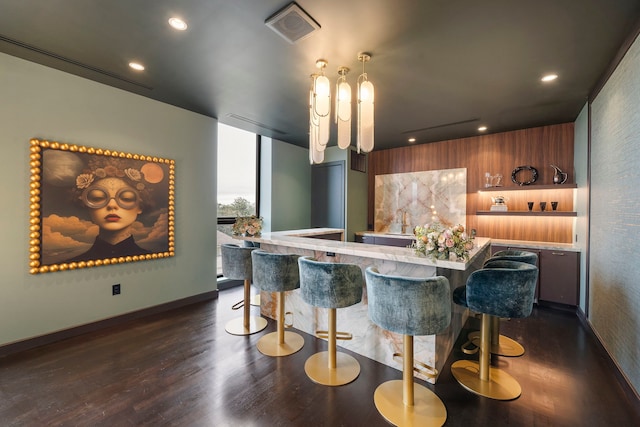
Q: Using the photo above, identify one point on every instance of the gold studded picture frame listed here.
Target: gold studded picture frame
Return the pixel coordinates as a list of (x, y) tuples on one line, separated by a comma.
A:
[(92, 207)]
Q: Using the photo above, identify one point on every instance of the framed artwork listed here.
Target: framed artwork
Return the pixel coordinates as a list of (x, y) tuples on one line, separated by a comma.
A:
[(92, 207)]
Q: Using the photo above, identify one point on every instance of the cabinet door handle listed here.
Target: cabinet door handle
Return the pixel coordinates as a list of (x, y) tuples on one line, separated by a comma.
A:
[(557, 253)]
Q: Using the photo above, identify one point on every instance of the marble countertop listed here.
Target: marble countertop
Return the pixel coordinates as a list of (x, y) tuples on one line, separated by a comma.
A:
[(568, 247), (301, 239), (503, 242), (404, 236)]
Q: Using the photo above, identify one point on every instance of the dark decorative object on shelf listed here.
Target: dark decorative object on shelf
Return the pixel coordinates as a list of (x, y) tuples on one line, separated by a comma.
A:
[(532, 179), (559, 177)]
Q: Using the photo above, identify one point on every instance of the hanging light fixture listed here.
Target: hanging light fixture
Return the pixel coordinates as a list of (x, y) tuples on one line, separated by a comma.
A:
[(343, 109), (316, 152), (322, 103), (365, 108)]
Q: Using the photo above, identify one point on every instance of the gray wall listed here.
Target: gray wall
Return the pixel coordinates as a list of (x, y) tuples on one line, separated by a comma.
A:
[(355, 192), (615, 215), (285, 179), (36, 101)]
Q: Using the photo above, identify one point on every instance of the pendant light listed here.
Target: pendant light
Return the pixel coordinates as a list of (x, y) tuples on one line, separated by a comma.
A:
[(316, 151), (321, 104), (343, 108), (365, 108)]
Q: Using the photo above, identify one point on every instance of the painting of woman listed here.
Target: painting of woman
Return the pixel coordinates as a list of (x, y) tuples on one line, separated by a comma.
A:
[(97, 207)]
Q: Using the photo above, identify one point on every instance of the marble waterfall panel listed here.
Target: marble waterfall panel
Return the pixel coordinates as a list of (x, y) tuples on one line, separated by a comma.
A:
[(418, 198)]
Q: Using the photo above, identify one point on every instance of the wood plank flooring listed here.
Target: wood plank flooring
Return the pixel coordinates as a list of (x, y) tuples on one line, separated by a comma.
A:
[(181, 368)]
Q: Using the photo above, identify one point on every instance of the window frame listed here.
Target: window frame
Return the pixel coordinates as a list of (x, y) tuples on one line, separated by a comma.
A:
[(230, 220)]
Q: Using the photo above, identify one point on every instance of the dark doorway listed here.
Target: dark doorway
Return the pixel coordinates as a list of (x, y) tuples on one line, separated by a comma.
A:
[(327, 197)]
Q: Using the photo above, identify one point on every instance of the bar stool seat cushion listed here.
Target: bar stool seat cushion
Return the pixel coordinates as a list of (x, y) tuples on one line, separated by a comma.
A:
[(407, 305)]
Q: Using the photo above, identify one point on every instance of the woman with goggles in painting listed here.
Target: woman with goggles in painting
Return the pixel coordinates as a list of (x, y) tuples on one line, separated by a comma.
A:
[(114, 195)]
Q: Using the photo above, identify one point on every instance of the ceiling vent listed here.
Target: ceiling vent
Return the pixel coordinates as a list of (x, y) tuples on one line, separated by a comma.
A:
[(292, 23)]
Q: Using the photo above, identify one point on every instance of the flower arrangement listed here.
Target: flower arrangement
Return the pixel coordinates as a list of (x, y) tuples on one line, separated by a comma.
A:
[(247, 226), (439, 242)]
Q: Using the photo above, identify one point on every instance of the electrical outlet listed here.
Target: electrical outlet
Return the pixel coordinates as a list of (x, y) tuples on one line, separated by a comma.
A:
[(115, 289)]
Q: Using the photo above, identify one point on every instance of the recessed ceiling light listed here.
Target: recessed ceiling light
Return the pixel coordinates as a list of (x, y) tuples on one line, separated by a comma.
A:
[(549, 77), (178, 24), (412, 140), (136, 66), (482, 128)]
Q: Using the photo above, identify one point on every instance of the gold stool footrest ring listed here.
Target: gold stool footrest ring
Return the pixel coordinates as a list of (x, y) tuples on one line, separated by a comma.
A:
[(419, 367), (238, 305), (290, 324), (469, 350), (339, 335)]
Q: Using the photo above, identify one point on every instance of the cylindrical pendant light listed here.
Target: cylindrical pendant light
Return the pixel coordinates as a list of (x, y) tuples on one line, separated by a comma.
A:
[(343, 109), (316, 151), (322, 102), (365, 108)]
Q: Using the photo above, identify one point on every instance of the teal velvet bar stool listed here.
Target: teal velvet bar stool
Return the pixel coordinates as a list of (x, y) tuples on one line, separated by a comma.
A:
[(277, 273), (501, 345), (331, 286), (409, 306), (502, 288), (236, 265)]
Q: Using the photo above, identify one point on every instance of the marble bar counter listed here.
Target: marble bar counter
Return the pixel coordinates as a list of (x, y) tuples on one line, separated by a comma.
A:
[(552, 246), (368, 339)]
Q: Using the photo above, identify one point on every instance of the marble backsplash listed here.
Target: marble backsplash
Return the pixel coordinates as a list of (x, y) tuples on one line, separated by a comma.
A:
[(418, 198)]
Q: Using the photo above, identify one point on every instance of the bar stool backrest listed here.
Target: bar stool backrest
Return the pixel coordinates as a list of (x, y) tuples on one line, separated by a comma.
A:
[(408, 305), (236, 262), (275, 272), (516, 255), (502, 288), (330, 284)]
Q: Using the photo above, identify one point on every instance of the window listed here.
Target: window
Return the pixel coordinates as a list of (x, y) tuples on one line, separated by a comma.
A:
[(238, 163)]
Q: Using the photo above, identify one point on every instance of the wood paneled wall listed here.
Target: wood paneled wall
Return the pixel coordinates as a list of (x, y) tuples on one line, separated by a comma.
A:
[(496, 153)]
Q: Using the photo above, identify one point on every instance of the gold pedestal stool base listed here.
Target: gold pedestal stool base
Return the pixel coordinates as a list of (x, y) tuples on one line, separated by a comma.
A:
[(427, 409), (499, 386), (317, 369), (505, 347), (237, 326), (269, 344)]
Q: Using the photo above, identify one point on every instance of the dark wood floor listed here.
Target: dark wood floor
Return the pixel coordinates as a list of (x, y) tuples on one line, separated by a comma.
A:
[(181, 369)]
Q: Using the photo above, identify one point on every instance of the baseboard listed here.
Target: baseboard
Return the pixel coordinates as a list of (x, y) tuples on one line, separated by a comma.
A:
[(30, 343), (558, 306), (630, 392)]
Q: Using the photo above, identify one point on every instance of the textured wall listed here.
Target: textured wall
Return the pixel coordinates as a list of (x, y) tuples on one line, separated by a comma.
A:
[(580, 163), (615, 215)]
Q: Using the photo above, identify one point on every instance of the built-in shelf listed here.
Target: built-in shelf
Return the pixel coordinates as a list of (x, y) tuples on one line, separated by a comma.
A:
[(528, 213), (531, 187)]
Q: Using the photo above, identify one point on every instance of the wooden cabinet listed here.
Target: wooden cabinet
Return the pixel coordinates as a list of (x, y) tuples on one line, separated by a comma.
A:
[(382, 240), (558, 275)]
